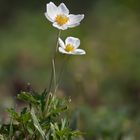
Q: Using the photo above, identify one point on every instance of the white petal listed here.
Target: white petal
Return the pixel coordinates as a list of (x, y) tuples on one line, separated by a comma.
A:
[(79, 52), (52, 10), (61, 50), (62, 9), (73, 25), (48, 17), (64, 27), (74, 20), (61, 43), (74, 41)]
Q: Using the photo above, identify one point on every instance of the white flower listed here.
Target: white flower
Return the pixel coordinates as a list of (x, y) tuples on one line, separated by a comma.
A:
[(70, 46), (60, 16)]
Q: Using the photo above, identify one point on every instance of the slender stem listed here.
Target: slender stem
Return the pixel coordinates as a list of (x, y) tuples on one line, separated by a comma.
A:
[(51, 80), (54, 60), (53, 71), (59, 33), (53, 75), (61, 72)]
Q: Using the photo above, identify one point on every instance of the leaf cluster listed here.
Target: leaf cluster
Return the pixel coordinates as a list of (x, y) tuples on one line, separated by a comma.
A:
[(43, 118)]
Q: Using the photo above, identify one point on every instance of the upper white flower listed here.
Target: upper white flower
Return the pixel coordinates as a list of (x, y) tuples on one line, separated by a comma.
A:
[(70, 46), (60, 17)]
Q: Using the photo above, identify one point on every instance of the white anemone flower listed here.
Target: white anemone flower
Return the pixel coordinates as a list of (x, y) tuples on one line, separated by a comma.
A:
[(60, 17), (70, 46)]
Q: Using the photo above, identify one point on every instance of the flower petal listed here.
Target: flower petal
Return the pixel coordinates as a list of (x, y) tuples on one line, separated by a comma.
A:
[(74, 20), (74, 41), (73, 25), (64, 27), (62, 9), (48, 17), (52, 11), (79, 52), (61, 43), (61, 50)]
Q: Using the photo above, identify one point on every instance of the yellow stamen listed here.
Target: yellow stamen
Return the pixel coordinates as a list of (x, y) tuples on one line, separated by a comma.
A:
[(69, 48), (61, 19)]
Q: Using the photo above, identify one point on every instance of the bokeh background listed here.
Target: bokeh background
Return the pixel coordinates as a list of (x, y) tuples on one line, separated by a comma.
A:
[(104, 84)]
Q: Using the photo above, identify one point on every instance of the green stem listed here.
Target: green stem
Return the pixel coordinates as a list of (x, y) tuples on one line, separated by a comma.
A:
[(53, 75), (54, 62), (61, 72), (53, 72)]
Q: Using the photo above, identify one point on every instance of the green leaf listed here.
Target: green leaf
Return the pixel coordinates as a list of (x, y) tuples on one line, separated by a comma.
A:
[(44, 93), (27, 97), (36, 124), (48, 135), (24, 110), (30, 128), (57, 111), (13, 113), (26, 117), (11, 128)]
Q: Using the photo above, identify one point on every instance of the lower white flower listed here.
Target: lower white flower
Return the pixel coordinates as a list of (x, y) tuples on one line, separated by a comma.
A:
[(70, 46)]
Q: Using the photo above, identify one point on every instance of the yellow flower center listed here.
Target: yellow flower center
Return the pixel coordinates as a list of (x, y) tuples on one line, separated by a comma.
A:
[(69, 48), (61, 19)]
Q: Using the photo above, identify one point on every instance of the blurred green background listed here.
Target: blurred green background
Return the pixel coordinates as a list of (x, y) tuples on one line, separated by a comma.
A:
[(104, 84)]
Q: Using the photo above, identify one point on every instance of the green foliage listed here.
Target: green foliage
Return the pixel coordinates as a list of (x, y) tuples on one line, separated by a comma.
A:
[(108, 124), (43, 118)]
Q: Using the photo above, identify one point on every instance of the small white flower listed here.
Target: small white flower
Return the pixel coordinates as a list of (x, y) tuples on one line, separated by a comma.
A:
[(70, 46), (60, 16)]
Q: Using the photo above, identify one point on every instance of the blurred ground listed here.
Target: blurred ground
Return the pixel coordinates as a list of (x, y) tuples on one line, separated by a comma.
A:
[(104, 84)]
